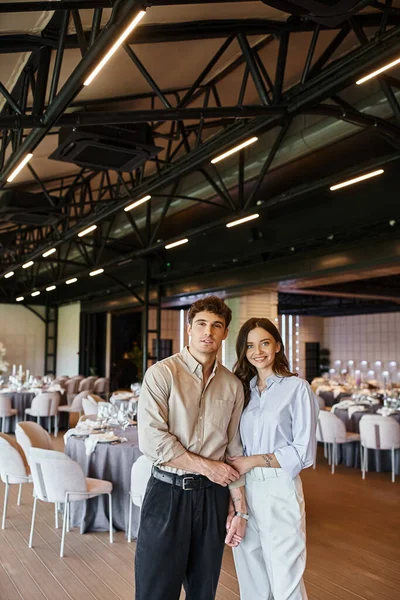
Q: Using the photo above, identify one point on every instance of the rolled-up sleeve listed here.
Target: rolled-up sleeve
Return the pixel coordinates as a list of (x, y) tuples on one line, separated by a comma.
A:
[(155, 440), (234, 447), (299, 453)]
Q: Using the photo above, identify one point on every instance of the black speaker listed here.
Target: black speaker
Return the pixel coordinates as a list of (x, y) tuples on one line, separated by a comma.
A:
[(116, 147)]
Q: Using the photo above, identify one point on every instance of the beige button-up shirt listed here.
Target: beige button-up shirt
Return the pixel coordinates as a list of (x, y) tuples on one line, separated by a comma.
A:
[(177, 412)]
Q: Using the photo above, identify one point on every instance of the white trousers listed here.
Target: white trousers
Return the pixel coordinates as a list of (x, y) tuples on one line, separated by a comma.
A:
[(271, 558)]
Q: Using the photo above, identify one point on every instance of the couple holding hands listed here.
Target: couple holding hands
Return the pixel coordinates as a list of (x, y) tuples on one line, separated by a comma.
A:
[(227, 449)]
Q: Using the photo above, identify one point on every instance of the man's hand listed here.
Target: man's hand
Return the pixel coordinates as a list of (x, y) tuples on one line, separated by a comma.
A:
[(219, 472), (236, 531)]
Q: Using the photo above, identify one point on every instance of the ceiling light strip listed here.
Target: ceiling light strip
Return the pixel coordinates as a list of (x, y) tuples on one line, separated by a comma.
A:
[(9, 274), (235, 149), (73, 280), (50, 288), (378, 71), (178, 243), (19, 168), (27, 265), (97, 272), (243, 220), (19, 299), (87, 230), (356, 180), (137, 203), (37, 293), (48, 252), (115, 47)]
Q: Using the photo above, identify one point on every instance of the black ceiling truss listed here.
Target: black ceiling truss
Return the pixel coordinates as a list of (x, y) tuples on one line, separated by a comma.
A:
[(94, 197)]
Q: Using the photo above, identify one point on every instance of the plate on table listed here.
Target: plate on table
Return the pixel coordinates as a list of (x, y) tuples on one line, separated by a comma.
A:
[(105, 437)]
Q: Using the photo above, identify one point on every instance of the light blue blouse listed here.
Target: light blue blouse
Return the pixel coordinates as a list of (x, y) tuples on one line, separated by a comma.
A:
[(281, 421)]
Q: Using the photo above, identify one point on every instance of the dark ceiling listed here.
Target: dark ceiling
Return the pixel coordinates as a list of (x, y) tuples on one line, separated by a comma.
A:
[(251, 70)]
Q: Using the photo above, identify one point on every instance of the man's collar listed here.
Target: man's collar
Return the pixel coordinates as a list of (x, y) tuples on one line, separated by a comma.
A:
[(192, 363)]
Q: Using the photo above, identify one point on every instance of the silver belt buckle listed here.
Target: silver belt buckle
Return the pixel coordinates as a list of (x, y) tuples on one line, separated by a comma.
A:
[(185, 481)]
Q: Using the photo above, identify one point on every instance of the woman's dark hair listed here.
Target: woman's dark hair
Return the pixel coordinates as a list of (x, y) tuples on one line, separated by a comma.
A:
[(243, 369), (211, 304)]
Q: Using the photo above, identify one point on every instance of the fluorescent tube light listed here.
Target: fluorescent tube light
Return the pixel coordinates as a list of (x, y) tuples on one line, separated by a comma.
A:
[(378, 71), (69, 281), (97, 272), (145, 199), (356, 180), (37, 293), (50, 288), (88, 230), (9, 274), (21, 165), (178, 243), (27, 265), (235, 149), (19, 299), (239, 221), (115, 47), (48, 252)]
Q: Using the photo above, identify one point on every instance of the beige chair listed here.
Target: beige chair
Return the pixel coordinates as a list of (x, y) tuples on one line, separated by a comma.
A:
[(14, 469), (58, 479), (76, 406), (140, 475), (102, 387), (89, 406), (55, 398), (332, 431), (31, 435), (45, 405), (379, 433), (71, 388), (87, 384), (6, 411)]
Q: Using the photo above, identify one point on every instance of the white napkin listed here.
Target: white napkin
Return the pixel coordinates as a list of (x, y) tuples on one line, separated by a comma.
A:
[(55, 387), (74, 431), (353, 409), (386, 412), (121, 396), (342, 404), (94, 438)]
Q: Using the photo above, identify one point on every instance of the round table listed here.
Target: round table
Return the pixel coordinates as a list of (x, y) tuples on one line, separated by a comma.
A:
[(378, 460), (112, 462)]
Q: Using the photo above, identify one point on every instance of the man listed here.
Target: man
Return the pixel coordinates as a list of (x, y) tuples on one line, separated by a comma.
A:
[(189, 412)]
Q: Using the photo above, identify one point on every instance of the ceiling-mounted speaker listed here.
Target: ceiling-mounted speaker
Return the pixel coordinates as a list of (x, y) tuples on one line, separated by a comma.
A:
[(117, 147), (326, 12)]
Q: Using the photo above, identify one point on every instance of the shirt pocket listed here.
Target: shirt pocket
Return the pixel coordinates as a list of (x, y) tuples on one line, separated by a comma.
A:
[(220, 412)]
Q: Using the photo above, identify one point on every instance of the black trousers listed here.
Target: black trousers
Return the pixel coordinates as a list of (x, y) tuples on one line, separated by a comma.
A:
[(180, 541)]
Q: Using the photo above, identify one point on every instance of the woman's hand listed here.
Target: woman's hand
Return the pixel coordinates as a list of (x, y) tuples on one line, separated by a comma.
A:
[(242, 464)]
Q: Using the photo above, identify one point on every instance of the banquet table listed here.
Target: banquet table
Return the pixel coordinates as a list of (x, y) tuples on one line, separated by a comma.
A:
[(23, 400), (112, 462), (378, 460)]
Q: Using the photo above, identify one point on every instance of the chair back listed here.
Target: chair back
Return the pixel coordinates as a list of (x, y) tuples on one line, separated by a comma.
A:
[(71, 386), (76, 405), (87, 384), (321, 402), (62, 380), (101, 385), (5, 405), (55, 399), (330, 428), (13, 463), (379, 433), (54, 474), (41, 404), (140, 475), (31, 435), (89, 406)]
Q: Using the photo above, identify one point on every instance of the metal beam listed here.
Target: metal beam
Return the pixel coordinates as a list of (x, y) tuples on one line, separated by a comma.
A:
[(123, 12)]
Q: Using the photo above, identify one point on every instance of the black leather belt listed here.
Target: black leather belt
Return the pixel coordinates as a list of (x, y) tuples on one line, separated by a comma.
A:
[(186, 482)]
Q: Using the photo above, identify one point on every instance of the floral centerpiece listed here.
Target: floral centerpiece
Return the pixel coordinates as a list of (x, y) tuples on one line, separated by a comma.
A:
[(3, 362)]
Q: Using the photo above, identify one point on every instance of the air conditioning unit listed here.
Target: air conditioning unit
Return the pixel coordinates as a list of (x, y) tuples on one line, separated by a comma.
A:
[(25, 208), (117, 147), (326, 12)]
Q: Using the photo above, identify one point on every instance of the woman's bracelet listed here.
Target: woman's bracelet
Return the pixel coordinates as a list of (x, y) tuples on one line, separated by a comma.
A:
[(267, 460)]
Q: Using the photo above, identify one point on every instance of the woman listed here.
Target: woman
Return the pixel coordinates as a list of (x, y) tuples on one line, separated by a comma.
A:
[(278, 435)]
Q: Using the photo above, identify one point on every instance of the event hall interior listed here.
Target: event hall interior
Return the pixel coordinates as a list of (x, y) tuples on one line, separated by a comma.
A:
[(154, 153)]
